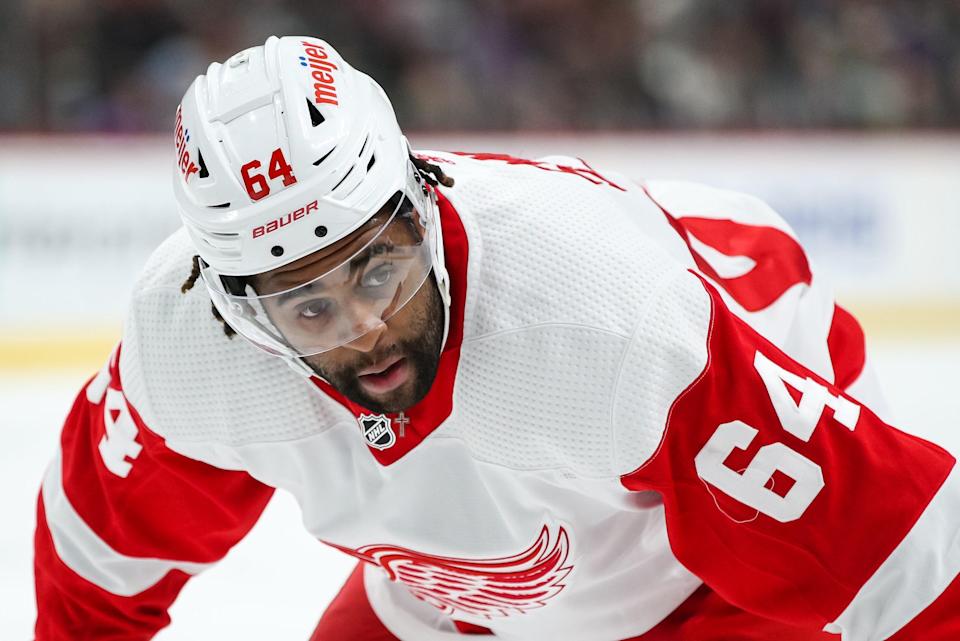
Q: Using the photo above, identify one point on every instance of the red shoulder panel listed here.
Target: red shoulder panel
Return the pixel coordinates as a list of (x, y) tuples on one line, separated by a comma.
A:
[(781, 493)]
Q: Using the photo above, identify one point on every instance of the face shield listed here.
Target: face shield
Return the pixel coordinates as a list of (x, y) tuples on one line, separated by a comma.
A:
[(339, 293)]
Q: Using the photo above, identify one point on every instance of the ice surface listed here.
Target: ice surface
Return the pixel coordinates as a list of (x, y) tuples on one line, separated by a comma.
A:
[(275, 583)]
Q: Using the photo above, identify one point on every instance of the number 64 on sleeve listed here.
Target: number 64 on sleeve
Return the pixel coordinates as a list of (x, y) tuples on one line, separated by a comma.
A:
[(799, 418)]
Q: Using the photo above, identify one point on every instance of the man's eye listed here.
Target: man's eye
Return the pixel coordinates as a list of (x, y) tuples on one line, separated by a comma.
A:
[(378, 277), (314, 308)]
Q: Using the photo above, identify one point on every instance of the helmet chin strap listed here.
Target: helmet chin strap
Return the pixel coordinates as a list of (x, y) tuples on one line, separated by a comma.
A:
[(300, 367), (441, 279), (440, 275)]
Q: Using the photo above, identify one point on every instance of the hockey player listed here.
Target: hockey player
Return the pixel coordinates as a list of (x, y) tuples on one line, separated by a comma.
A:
[(533, 399)]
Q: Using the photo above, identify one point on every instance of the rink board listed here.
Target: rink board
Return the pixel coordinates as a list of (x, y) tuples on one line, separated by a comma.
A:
[(879, 214)]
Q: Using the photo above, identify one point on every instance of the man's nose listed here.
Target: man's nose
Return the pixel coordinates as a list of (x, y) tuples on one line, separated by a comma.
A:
[(367, 328), (368, 341)]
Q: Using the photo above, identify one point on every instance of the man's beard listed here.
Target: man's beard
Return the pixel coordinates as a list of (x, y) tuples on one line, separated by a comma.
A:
[(422, 353)]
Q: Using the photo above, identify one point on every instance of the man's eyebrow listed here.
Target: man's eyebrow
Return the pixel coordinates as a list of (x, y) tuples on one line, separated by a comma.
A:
[(359, 261), (298, 291)]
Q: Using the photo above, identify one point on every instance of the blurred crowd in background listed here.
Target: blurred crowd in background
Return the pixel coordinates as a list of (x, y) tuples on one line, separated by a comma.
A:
[(122, 65)]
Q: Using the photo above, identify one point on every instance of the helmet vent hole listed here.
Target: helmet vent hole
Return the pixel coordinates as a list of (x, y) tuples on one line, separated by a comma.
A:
[(342, 179), (220, 206), (373, 159), (316, 118), (203, 166), (276, 250), (323, 157), (364, 148)]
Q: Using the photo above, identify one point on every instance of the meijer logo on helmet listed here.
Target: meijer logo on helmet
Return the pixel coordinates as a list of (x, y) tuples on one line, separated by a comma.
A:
[(285, 220), (316, 58), (181, 138)]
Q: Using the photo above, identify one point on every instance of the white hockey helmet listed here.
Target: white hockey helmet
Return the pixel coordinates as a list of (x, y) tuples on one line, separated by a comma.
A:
[(285, 150)]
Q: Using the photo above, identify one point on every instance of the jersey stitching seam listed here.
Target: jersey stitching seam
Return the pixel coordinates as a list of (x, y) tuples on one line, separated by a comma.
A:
[(689, 387), (693, 383), (614, 444)]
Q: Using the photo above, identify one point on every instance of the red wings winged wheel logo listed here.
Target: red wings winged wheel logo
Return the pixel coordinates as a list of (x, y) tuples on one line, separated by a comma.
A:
[(488, 588)]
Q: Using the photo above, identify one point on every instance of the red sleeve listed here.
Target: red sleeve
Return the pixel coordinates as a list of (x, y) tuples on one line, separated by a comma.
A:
[(794, 502), (123, 521)]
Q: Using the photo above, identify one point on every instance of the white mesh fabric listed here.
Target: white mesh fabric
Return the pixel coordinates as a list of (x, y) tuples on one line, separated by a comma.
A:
[(191, 383), (539, 398), (550, 314), (556, 248), (666, 354)]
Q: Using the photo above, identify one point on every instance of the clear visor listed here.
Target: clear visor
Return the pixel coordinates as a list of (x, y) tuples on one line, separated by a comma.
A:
[(337, 294)]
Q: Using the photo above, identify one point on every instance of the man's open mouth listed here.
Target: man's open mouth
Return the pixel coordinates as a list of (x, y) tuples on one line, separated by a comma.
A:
[(385, 376)]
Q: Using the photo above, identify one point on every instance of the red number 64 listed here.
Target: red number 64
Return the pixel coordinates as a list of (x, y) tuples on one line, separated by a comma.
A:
[(256, 184)]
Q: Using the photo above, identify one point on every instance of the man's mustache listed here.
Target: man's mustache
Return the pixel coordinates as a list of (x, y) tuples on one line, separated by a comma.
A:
[(369, 360)]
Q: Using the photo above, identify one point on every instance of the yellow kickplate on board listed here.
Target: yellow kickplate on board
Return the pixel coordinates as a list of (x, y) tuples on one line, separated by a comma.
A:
[(47, 350), (921, 322)]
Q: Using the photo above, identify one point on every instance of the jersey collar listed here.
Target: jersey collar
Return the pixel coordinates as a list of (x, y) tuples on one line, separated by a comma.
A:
[(419, 421)]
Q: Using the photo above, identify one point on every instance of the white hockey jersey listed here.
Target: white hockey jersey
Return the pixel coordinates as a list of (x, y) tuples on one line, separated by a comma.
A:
[(644, 388)]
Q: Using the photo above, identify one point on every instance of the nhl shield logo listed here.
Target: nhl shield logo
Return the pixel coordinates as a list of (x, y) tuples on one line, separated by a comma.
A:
[(377, 430)]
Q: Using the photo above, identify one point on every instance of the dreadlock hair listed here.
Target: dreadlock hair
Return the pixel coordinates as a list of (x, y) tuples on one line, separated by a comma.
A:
[(431, 173), (188, 285)]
